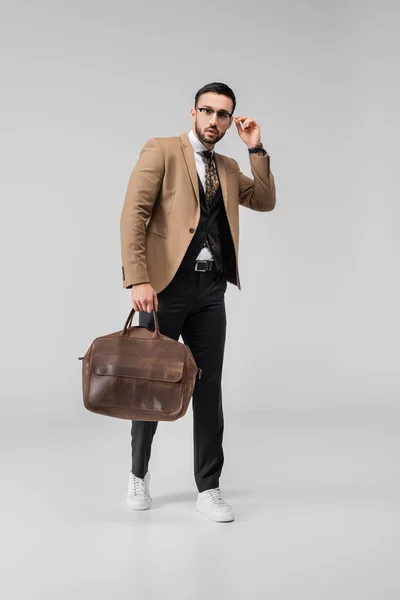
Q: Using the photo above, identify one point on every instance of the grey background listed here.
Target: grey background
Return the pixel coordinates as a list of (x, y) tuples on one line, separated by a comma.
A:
[(311, 378)]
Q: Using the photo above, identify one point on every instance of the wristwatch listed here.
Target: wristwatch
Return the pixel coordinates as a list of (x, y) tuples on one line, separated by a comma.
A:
[(256, 149)]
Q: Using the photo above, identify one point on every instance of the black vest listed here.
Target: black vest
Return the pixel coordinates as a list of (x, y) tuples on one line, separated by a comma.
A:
[(214, 227)]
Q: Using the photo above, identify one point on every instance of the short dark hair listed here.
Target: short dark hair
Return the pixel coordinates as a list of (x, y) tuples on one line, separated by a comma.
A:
[(217, 88)]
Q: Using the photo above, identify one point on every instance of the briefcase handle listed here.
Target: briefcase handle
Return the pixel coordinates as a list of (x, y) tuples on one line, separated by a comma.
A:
[(128, 323)]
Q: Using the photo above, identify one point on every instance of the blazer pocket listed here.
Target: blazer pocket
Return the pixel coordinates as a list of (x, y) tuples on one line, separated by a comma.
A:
[(163, 237)]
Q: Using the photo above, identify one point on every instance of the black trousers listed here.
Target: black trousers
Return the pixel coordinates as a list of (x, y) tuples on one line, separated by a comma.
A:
[(193, 306)]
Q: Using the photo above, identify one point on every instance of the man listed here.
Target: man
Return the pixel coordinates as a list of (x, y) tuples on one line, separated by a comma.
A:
[(180, 248)]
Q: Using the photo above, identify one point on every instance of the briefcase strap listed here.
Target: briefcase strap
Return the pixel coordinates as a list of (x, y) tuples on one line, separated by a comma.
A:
[(128, 322)]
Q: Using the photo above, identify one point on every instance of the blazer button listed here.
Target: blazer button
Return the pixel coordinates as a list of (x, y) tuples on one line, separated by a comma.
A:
[(192, 230)]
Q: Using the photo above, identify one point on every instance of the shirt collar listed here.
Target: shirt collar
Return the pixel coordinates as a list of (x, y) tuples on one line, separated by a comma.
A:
[(197, 145)]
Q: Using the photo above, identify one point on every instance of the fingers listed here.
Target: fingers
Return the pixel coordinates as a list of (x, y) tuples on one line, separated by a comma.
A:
[(138, 305), (144, 299), (247, 122), (143, 305), (240, 119)]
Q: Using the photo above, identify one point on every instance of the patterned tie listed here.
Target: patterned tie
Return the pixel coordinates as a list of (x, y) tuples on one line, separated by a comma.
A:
[(212, 181)]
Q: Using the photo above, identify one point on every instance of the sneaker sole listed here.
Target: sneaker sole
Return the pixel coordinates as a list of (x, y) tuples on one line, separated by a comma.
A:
[(221, 518), (139, 504)]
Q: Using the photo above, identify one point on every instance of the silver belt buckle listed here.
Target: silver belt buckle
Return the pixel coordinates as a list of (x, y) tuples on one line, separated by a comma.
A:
[(197, 264)]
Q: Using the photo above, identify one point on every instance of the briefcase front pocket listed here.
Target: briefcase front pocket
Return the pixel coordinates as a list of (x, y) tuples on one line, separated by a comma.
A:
[(148, 385)]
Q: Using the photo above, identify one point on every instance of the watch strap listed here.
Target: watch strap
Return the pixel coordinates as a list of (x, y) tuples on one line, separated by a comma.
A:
[(256, 149)]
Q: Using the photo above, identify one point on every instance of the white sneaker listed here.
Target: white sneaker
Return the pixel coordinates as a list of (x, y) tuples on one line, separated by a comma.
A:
[(211, 504), (138, 495)]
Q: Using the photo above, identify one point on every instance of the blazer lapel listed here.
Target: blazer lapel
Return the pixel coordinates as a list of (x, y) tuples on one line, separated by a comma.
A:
[(188, 155)]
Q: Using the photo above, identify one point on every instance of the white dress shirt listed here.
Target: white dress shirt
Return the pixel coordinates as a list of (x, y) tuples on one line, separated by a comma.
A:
[(200, 160)]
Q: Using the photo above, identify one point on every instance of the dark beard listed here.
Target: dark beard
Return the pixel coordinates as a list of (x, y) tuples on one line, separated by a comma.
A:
[(203, 139)]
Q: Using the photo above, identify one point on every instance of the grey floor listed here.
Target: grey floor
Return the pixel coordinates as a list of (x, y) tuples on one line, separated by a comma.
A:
[(315, 495)]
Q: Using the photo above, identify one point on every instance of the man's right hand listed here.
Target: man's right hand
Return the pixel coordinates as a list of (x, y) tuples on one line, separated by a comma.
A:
[(144, 297)]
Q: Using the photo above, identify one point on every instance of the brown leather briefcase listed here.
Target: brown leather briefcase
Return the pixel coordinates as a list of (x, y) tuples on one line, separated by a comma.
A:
[(138, 374)]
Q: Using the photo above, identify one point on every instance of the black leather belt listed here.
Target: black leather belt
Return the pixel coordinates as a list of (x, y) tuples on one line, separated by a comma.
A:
[(204, 265)]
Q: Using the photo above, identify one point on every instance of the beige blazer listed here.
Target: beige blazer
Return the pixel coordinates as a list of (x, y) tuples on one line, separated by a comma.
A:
[(162, 206)]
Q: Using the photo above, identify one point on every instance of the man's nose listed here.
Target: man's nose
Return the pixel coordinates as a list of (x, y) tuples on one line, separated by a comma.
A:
[(214, 119)]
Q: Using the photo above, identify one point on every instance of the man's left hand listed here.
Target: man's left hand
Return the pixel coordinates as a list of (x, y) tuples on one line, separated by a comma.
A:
[(250, 133)]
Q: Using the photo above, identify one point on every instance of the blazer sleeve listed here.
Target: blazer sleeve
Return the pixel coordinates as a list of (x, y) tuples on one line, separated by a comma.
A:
[(141, 194), (258, 193)]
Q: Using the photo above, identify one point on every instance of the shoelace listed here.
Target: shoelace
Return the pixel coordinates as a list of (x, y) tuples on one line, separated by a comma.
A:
[(215, 495), (137, 485)]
